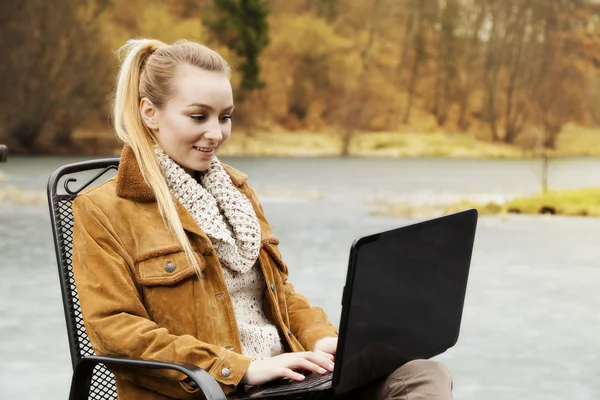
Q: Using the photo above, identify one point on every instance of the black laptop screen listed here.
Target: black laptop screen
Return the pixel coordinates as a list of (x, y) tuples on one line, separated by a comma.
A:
[(406, 297)]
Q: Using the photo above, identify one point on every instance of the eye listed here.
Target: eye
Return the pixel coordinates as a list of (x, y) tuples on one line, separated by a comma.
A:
[(225, 118), (198, 117)]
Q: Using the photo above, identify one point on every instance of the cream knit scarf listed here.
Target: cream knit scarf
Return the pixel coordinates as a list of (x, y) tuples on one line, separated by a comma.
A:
[(223, 213)]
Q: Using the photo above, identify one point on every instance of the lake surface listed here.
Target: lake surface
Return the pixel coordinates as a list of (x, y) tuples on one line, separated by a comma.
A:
[(531, 324)]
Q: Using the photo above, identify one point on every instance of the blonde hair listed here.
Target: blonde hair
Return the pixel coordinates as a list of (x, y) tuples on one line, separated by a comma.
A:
[(147, 69)]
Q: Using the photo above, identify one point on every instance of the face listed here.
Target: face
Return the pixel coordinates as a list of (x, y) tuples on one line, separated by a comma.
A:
[(196, 121)]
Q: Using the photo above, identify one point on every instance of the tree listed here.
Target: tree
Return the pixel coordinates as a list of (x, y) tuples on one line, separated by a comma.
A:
[(328, 9), (53, 58), (492, 65), (559, 100), (473, 19), (311, 71), (522, 72), (242, 26), (445, 68), (355, 110), (420, 54), (408, 37)]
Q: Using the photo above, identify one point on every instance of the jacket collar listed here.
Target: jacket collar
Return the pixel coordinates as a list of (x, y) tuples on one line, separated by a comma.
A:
[(132, 185)]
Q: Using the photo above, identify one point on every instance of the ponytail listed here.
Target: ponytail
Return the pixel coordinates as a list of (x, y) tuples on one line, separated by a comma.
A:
[(131, 130)]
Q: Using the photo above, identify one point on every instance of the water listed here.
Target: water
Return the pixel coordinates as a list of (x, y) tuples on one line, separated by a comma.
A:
[(532, 315)]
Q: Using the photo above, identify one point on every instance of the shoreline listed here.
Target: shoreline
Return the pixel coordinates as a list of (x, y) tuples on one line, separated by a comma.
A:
[(583, 202), (438, 145)]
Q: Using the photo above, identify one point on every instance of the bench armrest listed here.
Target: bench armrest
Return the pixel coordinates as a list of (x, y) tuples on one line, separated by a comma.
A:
[(82, 376)]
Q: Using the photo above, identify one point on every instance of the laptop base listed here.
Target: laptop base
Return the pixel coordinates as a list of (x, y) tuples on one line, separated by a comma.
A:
[(314, 386)]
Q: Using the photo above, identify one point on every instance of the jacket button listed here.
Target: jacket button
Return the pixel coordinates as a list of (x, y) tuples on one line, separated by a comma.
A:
[(226, 372), (273, 287), (170, 267)]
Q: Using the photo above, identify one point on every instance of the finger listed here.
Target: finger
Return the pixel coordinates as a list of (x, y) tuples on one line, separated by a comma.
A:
[(329, 356), (291, 374), (321, 360), (316, 355), (310, 366), (320, 357), (303, 364)]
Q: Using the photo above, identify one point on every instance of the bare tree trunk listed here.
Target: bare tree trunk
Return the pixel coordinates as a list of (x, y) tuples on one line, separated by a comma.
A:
[(468, 79), (545, 166), (446, 65), (407, 39), (392, 118), (551, 132), (549, 135), (464, 105), (355, 119), (491, 77), (419, 45), (63, 136), (411, 89), (515, 70), (439, 80), (492, 113)]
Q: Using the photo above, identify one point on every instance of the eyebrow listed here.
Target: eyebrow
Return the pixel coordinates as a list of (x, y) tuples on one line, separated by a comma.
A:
[(209, 107)]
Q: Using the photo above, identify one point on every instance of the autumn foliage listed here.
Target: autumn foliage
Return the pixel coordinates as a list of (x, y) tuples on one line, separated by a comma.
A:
[(498, 70)]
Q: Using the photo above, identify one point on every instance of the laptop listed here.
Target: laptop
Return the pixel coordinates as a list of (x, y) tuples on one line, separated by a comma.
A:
[(403, 300)]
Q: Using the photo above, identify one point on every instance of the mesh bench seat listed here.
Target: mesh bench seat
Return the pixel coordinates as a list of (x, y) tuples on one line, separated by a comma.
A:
[(91, 379)]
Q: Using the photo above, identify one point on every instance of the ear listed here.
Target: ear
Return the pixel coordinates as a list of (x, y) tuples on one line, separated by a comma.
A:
[(149, 114)]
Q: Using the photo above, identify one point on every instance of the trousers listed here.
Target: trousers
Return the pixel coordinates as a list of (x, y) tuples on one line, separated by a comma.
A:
[(415, 380)]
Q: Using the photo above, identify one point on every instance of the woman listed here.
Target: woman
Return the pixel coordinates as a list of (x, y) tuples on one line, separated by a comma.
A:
[(174, 259)]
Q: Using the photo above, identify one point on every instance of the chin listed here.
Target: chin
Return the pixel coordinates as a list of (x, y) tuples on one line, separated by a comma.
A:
[(200, 166)]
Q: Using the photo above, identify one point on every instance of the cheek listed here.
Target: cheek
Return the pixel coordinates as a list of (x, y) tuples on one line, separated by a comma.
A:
[(226, 131), (179, 127)]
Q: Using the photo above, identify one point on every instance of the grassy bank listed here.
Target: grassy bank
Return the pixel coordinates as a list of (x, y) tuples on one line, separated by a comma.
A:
[(13, 195), (18, 196), (583, 202), (394, 144), (573, 142), (384, 144), (580, 202)]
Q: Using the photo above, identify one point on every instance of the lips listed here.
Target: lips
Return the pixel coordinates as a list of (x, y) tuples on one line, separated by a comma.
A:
[(204, 149), (205, 153)]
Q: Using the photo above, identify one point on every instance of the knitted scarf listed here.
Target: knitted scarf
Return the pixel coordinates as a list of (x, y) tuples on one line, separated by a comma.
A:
[(223, 213)]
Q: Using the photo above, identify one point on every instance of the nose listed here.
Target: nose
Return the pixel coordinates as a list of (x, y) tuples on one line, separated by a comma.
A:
[(213, 132)]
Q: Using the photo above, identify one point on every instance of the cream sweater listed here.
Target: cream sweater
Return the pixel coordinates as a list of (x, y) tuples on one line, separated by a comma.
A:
[(260, 338), (229, 220)]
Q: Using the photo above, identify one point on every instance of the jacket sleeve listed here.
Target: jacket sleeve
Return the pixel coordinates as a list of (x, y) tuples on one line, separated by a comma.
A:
[(308, 323), (116, 319)]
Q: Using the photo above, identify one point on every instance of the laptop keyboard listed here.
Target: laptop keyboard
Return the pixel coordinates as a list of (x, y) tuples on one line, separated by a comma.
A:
[(311, 381)]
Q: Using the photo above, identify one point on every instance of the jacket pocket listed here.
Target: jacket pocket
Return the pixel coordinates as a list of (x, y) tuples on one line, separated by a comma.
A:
[(167, 269), (168, 282)]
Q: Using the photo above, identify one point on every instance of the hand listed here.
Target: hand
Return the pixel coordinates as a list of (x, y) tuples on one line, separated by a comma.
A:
[(286, 365), (326, 345)]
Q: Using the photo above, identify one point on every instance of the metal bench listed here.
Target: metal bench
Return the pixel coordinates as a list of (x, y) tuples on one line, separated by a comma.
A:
[(91, 379)]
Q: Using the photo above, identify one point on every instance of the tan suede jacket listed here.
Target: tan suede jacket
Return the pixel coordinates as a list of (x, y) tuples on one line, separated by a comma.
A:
[(135, 306)]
